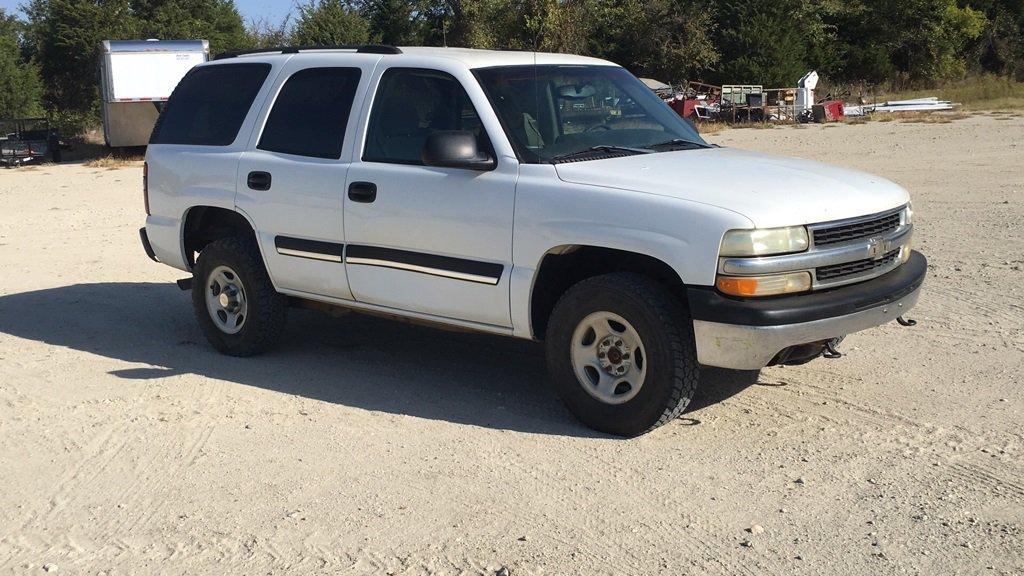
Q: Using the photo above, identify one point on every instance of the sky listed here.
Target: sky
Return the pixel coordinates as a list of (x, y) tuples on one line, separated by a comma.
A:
[(272, 10)]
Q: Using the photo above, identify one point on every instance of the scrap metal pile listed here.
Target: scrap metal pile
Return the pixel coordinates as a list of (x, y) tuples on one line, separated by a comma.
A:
[(736, 103)]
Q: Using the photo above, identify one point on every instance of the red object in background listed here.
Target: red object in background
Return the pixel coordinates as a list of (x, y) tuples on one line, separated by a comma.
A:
[(684, 107), (833, 110)]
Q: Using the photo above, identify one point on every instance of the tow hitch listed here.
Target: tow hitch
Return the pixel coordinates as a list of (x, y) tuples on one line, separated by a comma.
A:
[(906, 321)]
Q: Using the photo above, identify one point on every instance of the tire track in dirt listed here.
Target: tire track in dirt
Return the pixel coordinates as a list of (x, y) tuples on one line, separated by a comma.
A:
[(98, 455), (922, 436), (991, 479), (692, 540), (136, 507), (147, 498)]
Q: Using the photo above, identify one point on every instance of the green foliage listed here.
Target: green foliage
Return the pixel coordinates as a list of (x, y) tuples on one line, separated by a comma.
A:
[(21, 88), (1000, 47), (215, 20), (262, 33), (394, 22), (772, 42), (911, 41), (896, 43), (661, 38), (329, 22), (64, 38)]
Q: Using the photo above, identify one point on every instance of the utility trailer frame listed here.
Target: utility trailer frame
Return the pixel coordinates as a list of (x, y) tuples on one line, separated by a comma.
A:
[(25, 139)]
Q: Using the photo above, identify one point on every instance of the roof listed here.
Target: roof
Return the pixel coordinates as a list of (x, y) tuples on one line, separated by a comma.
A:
[(474, 58), (469, 57), (156, 46)]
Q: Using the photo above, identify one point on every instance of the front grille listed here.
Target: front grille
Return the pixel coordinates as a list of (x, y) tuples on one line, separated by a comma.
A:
[(857, 230), (856, 267)]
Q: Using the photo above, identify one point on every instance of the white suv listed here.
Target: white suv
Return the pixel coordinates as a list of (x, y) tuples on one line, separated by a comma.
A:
[(542, 196)]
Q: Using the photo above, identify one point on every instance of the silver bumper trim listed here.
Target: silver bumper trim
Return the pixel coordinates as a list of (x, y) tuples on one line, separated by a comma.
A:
[(752, 347)]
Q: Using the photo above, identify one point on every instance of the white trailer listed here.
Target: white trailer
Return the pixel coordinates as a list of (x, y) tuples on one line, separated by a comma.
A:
[(136, 78)]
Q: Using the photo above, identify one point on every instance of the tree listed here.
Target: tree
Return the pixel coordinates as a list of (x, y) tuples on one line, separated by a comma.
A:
[(329, 22), (1000, 47), (21, 89), (64, 36), (215, 20), (394, 22), (261, 33), (468, 23), (543, 25), (919, 41), (666, 39), (771, 42)]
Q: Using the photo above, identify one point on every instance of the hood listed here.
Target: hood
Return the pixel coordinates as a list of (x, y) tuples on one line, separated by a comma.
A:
[(769, 190)]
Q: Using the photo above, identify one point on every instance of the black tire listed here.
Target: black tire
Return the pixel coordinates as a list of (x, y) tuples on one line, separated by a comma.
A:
[(664, 326), (266, 308)]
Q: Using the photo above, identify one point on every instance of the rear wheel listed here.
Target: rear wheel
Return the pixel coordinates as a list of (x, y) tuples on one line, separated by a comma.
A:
[(238, 309), (621, 353)]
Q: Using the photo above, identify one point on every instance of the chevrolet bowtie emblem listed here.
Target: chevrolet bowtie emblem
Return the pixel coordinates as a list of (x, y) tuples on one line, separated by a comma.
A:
[(877, 247)]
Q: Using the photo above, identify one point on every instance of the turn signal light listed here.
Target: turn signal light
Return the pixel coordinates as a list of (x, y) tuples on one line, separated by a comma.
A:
[(764, 285)]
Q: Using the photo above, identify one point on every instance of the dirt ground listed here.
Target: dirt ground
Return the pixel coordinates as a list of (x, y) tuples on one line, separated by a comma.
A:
[(128, 446)]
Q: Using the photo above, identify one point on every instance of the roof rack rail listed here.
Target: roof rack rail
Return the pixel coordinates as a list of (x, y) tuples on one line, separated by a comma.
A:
[(360, 48)]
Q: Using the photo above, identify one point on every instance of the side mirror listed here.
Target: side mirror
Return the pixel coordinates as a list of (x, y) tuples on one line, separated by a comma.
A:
[(456, 149)]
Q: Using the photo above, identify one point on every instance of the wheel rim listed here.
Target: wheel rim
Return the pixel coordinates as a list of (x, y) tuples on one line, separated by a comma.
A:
[(608, 357), (225, 300)]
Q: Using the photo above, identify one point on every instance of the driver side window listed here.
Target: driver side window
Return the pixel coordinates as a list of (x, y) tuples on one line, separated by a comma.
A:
[(410, 105)]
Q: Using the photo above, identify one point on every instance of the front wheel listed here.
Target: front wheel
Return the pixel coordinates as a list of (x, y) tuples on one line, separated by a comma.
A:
[(621, 353), (238, 309)]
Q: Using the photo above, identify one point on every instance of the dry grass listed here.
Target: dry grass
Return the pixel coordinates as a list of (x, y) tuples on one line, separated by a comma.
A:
[(112, 162), (928, 117), (706, 128), (977, 93), (1005, 113)]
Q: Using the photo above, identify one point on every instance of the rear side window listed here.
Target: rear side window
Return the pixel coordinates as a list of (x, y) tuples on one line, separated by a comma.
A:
[(310, 113), (409, 106), (209, 105)]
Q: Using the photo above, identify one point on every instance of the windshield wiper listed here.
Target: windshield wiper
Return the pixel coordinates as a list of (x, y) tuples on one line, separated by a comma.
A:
[(678, 144), (599, 148)]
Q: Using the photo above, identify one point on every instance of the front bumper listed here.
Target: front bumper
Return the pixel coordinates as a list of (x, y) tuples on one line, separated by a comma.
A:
[(746, 334)]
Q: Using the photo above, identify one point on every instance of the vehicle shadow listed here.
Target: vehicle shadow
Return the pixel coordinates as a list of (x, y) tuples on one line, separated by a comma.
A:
[(358, 361)]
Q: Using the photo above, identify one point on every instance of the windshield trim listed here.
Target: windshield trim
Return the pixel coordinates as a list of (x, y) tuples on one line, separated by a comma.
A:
[(523, 154)]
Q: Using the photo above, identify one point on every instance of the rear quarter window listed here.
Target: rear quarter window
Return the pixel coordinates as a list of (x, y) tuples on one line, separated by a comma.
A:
[(310, 114), (209, 105)]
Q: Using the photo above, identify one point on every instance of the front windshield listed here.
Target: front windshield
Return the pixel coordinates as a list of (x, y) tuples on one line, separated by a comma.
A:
[(553, 112)]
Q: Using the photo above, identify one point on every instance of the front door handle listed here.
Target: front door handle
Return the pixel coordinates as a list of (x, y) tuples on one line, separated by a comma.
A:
[(365, 192), (258, 180)]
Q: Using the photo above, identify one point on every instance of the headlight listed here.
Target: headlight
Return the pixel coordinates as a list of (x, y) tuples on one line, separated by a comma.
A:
[(764, 285), (765, 241), (908, 214)]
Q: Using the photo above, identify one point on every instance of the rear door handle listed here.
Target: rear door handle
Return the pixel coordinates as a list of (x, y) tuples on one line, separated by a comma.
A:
[(258, 180), (365, 192)]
